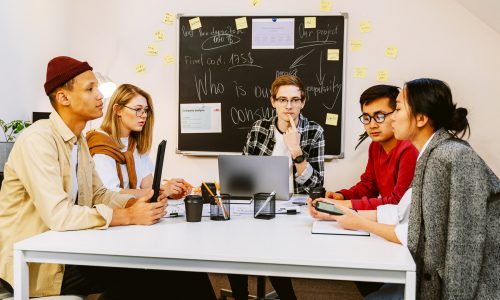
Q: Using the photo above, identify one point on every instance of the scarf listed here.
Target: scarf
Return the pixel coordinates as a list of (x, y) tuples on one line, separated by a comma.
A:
[(101, 143)]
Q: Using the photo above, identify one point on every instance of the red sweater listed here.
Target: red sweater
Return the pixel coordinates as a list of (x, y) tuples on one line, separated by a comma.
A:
[(387, 174)]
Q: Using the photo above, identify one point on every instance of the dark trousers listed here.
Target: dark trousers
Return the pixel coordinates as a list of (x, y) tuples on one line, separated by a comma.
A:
[(282, 285), (6, 285), (365, 288), (124, 283)]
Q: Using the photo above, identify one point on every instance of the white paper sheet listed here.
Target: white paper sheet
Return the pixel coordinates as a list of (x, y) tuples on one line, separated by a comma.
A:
[(332, 227)]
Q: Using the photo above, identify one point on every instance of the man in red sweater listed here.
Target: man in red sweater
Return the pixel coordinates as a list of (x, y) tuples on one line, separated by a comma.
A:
[(391, 163)]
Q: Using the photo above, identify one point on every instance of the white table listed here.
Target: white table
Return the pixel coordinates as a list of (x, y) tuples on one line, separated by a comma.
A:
[(283, 246)]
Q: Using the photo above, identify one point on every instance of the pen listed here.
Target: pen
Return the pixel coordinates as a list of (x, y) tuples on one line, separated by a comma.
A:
[(217, 187), (265, 203)]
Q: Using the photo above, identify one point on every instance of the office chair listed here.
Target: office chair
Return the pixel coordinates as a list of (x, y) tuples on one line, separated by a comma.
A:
[(261, 291)]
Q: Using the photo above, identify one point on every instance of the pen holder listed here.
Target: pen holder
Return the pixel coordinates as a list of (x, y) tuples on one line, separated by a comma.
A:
[(207, 198), (266, 210), (217, 210)]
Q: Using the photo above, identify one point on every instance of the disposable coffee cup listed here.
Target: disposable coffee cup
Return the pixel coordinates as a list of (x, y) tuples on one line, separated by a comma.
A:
[(194, 208), (317, 192)]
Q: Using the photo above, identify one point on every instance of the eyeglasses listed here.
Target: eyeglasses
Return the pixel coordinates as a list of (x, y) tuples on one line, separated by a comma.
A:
[(283, 102), (140, 111), (379, 117)]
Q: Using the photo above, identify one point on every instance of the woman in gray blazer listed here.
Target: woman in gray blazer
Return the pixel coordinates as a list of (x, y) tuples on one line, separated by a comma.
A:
[(450, 217)]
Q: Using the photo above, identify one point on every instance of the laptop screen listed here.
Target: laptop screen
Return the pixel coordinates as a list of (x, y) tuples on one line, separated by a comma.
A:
[(160, 154), (245, 175)]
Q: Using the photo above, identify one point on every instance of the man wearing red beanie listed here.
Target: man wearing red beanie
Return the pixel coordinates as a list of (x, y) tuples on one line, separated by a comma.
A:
[(50, 184)]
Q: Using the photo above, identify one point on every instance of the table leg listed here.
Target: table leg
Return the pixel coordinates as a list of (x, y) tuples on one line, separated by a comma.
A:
[(410, 285), (21, 277)]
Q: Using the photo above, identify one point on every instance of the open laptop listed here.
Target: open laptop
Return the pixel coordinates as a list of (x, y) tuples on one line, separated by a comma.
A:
[(241, 176), (160, 155)]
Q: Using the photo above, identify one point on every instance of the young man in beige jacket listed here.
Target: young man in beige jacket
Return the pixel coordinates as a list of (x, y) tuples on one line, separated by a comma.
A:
[(50, 183)]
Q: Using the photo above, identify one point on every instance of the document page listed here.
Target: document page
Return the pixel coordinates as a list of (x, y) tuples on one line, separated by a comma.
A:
[(332, 227)]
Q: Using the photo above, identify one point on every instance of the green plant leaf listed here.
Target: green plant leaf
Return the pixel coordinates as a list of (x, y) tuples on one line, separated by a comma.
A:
[(13, 128)]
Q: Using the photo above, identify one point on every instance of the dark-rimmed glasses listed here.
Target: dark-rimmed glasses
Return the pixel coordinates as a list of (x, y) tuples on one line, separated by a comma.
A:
[(379, 117), (283, 102), (140, 111)]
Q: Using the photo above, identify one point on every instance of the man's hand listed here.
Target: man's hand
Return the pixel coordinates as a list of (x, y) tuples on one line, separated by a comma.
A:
[(140, 212), (333, 195), (291, 138), (146, 213)]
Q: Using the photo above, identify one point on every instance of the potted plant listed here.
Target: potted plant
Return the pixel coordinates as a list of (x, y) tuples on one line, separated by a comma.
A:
[(10, 131)]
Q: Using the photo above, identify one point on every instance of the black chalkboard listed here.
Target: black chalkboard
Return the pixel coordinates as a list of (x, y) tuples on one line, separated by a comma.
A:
[(218, 65)]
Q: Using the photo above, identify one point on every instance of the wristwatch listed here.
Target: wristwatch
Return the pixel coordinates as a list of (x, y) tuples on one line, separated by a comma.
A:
[(299, 159)]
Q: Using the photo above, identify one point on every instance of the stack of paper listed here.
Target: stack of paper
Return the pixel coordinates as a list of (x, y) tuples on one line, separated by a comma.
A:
[(332, 227)]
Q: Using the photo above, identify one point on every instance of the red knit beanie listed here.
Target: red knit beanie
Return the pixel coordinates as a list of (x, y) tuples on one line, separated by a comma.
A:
[(62, 69)]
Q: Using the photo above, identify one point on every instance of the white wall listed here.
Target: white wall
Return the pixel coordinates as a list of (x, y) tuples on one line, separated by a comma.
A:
[(436, 38), (31, 33)]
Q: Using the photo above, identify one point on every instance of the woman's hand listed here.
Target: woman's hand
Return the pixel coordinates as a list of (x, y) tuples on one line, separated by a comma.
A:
[(350, 219), (176, 188), (318, 214)]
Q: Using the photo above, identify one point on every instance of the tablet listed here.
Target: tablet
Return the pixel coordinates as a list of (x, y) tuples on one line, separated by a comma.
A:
[(160, 154)]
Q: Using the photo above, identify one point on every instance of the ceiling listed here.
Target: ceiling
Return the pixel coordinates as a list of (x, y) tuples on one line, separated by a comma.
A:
[(486, 10)]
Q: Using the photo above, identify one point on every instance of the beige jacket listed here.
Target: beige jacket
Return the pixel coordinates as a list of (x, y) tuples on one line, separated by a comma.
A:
[(36, 197)]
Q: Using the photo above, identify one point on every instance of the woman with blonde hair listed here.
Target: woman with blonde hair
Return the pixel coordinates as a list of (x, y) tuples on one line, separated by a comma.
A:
[(121, 145)]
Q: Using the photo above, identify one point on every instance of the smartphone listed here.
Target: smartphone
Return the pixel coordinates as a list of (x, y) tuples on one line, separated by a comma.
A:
[(328, 208)]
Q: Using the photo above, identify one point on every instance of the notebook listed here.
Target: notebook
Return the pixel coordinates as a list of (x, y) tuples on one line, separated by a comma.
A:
[(244, 175), (160, 155), (332, 227)]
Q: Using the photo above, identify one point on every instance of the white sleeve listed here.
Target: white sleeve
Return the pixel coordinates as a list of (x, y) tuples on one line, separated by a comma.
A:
[(404, 216), (144, 167), (106, 168), (306, 174), (387, 214), (397, 215), (401, 231)]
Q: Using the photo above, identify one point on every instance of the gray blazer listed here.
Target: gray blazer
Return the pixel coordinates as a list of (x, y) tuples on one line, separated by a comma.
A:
[(454, 226)]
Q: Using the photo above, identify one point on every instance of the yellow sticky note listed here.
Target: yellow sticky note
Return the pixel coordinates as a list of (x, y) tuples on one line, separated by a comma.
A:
[(391, 52), (332, 119), (359, 72), (356, 45), (241, 23), (169, 18), (168, 59), (325, 5), (382, 75), (309, 22), (140, 68), (152, 50), (160, 35), (195, 23), (333, 54), (365, 26), (255, 2)]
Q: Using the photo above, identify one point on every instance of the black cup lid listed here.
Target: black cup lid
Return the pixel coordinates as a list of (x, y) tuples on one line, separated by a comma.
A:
[(193, 199)]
